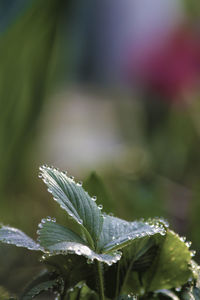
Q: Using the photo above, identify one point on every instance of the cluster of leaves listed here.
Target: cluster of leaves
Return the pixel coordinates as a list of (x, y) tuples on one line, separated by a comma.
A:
[(104, 257)]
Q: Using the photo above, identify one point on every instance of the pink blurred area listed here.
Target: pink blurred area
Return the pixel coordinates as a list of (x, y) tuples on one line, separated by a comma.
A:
[(172, 68)]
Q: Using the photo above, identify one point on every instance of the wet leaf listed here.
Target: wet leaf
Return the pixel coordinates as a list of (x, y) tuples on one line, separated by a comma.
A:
[(10, 235), (75, 201), (171, 266)]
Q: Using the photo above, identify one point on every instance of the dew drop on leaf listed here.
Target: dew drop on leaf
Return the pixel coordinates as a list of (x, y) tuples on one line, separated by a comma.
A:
[(94, 198), (188, 244), (193, 252)]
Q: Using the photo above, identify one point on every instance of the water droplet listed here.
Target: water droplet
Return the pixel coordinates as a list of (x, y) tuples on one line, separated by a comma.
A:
[(79, 183), (78, 252), (71, 177), (40, 175), (183, 239), (48, 218), (40, 225), (43, 221), (188, 244), (113, 238), (94, 198), (89, 261), (192, 253), (53, 220), (100, 206)]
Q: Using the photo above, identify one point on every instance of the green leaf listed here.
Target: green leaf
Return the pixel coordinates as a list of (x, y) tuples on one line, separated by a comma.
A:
[(137, 239), (10, 235), (73, 267), (136, 258), (40, 288), (43, 282), (58, 239), (75, 201), (117, 233), (171, 267), (51, 233)]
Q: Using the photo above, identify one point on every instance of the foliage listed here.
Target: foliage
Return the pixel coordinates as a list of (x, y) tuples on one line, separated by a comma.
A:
[(99, 256)]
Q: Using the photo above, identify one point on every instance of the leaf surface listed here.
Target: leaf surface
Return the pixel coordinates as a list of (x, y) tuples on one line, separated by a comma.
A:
[(74, 200), (13, 236), (117, 233), (171, 267), (42, 282), (58, 239), (51, 233)]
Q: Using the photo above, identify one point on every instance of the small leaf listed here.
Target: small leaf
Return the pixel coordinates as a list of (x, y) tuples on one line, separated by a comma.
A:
[(75, 201), (40, 288), (171, 267), (43, 282), (51, 233), (10, 235)]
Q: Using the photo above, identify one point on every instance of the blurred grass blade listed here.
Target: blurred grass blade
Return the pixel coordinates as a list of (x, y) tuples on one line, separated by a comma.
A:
[(28, 52)]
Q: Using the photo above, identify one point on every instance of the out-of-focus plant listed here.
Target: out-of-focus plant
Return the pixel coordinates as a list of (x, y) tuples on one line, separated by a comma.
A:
[(104, 257), (29, 42)]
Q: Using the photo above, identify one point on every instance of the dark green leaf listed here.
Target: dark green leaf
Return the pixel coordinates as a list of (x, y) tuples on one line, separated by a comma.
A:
[(43, 282), (73, 267), (10, 235), (75, 201), (81, 292), (136, 257)]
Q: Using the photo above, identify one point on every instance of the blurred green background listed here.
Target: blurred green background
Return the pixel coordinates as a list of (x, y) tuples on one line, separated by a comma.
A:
[(109, 92)]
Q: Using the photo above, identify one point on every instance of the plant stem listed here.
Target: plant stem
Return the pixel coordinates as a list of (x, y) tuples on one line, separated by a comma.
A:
[(100, 283)]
